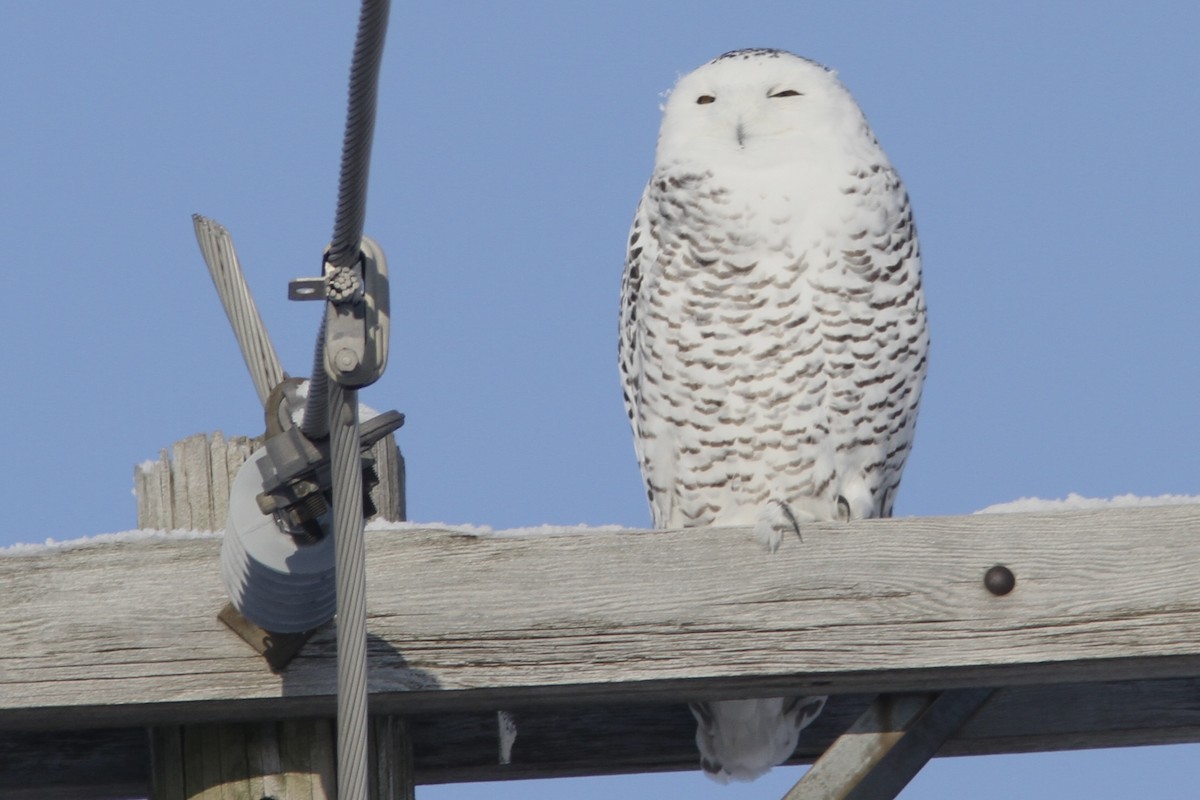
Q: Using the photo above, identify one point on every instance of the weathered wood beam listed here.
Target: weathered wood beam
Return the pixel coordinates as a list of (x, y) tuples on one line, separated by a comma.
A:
[(613, 739), (888, 745), (212, 761), (126, 634), (99, 764), (627, 739), (595, 639)]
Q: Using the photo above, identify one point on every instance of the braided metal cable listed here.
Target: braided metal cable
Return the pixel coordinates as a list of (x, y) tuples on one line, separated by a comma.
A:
[(315, 424), (216, 245), (350, 559), (360, 131), (342, 407), (331, 409), (352, 183)]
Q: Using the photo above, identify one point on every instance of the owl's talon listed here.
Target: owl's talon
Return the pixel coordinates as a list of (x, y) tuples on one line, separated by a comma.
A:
[(774, 521), (843, 509)]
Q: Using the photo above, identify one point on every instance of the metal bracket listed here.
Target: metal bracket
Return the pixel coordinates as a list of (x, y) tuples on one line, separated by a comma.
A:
[(296, 475), (357, 315), (306, 289)]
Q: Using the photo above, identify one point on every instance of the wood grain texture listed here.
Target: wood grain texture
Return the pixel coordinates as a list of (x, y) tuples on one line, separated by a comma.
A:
[(594, 640), (293, 758), (127, 633), (888, 745), (566, 740), (187, 488)]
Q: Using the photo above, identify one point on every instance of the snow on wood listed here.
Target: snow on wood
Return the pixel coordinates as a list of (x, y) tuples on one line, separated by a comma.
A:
[(1075, 502)]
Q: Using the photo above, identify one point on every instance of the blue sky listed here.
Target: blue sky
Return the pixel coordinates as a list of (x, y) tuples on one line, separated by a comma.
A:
[(1049, 149)]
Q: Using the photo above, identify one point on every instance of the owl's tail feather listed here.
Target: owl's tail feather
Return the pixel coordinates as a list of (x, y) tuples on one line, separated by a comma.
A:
[(740, 740)]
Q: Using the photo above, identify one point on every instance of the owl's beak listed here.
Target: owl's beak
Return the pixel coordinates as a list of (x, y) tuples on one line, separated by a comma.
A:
[(741, 134)]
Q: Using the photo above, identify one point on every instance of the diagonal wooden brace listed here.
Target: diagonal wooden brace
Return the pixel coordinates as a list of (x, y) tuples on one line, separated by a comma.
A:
[(888, 745)]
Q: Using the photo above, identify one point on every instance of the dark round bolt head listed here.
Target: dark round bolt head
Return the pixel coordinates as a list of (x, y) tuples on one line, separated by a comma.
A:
[(999, 580)]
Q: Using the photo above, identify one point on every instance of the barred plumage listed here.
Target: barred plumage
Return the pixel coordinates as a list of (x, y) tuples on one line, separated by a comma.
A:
[(773, 334)]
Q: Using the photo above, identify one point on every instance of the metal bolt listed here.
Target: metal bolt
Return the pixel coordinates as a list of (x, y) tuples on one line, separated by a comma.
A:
[(999, 580), (346, 360)]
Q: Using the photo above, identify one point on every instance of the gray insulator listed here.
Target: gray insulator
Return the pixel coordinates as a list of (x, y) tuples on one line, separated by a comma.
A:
[(274, 581)]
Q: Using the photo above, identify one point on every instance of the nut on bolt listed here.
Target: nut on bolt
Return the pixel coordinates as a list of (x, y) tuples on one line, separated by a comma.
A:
[(999, 580), (346, 360)]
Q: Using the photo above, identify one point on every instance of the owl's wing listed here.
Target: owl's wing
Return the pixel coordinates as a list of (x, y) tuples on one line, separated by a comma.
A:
[(641, 254), (872, 302)]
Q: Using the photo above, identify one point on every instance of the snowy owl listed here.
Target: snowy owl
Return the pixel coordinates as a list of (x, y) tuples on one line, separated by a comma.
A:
[(773, 336)]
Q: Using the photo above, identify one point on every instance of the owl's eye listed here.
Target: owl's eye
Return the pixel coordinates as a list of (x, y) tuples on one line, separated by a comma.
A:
[(705, 99), (787, 93)]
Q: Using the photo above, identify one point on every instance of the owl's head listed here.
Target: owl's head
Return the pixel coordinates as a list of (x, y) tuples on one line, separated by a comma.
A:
[(764, 106)]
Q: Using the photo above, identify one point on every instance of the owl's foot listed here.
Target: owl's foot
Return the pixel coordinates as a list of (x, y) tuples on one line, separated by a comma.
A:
[(777, 519), (774, 521)]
